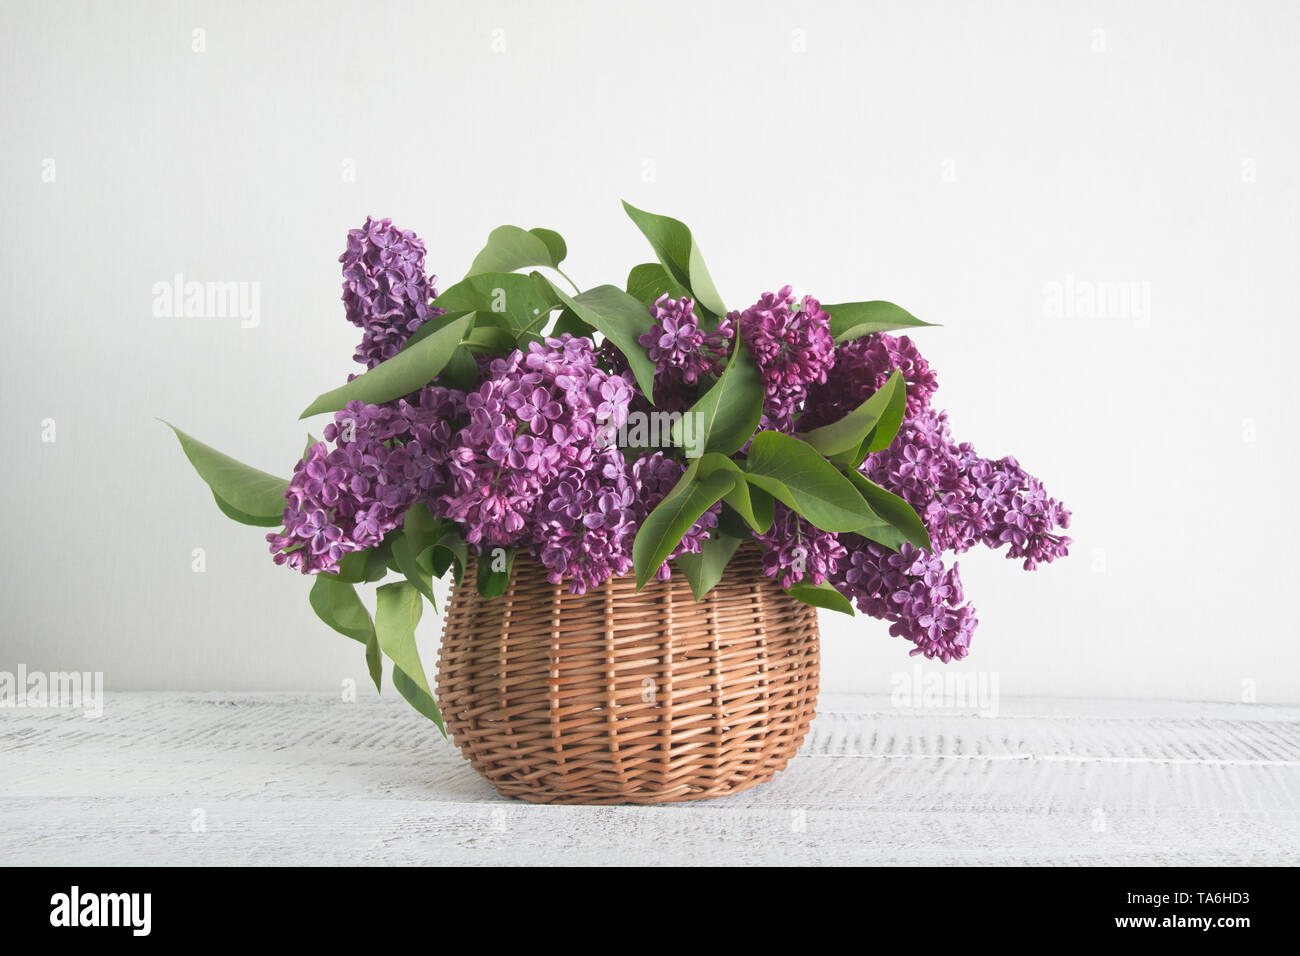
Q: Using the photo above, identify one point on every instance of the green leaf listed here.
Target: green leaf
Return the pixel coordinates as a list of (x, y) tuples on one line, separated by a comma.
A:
[(796, 474), (243, 493), (450, 549), (311, 440), (404, 554), (852, 320), (677, 251), (664, 527), (234, 514), (417, 694), (726, 415), (338, 605), (568, 321), (648, 281), (878, 417), (903, 521), (509, 248), (741, 497), (821, 595), (374, 664), (397, 612), (555, 243), (493, 583), (703, 571), (489, 338), (622, 320), (404, 373), (520, 304)]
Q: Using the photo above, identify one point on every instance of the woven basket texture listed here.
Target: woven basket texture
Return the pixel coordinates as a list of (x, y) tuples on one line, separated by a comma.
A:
[(618, 697)]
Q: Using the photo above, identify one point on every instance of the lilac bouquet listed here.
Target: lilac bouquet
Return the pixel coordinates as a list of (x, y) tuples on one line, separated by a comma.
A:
[(642, 430)]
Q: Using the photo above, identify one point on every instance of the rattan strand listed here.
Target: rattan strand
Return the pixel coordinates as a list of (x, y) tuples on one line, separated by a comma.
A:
[(620, 697)]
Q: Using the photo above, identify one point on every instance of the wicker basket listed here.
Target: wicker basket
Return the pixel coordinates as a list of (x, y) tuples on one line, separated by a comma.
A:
[(619, 697)]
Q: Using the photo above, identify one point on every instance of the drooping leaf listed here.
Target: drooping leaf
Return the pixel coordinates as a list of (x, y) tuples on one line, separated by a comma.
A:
[(509, 248), (726, 415), (417, 694), (374, 663), (406, 372), (852, 320), (338, 605), (680, 256), (903, 521), (794, 473), (703, 571), (397, 612), (648, 281), (622, 320), (879, 416), (493, 582), (665, 526), (822, 595), (242, 492)]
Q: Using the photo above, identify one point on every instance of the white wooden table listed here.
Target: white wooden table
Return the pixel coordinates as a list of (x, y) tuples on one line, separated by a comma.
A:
[(216, 779)]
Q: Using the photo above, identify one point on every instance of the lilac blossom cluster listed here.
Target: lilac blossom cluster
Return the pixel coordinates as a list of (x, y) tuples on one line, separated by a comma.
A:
[(792, 346), (384, 458), (683, 353), (796, 550), (385, 290), (537, 466)]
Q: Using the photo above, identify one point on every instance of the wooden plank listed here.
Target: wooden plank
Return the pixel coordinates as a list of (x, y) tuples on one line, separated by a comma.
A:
[(220, 779)]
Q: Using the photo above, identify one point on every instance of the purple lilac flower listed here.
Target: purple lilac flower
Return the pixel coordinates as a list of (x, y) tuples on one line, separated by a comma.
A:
[(542, 419), (385, 289), (346, 498), (682, 352), (792, 347), (794, 549), (910, 588), (861, 368)]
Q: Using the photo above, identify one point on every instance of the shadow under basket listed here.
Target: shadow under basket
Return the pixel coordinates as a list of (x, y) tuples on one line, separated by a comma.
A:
[(618, 697)]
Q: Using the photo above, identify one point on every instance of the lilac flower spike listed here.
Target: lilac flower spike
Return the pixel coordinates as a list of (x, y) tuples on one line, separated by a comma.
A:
[(385, 289)]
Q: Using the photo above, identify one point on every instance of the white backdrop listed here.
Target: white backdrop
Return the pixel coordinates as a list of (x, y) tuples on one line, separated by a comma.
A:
[(1098, 203)]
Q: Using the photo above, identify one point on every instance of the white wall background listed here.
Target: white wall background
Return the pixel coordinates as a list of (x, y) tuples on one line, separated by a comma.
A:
[(957, 158)]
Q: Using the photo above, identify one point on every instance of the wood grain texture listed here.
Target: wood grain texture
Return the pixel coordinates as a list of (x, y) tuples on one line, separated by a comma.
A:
[(285, 779)]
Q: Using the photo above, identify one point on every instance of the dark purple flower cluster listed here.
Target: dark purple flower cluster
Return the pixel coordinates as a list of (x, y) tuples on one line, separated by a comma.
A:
[(967, 500), (538, 467), (792, 347), (912, 590), (796, 549), (861, 368), (385, 289), (682, 351), (384, 459)]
